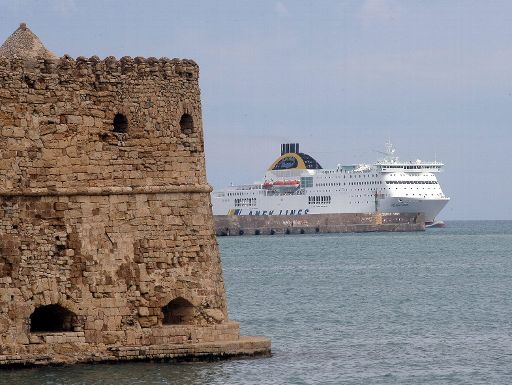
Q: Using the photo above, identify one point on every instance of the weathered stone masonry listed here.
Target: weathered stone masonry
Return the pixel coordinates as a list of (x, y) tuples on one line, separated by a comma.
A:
[(107, 245)]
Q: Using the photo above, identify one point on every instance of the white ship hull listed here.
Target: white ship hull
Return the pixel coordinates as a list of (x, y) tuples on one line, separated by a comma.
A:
[(430, 207), (294, 188), (298, 205)]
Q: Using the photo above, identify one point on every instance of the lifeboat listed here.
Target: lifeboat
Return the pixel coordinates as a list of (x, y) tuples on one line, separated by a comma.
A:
[(284, 186), (286, 183)]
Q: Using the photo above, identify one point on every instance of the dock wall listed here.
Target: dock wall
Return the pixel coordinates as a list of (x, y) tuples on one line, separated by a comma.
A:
[(318, 223)]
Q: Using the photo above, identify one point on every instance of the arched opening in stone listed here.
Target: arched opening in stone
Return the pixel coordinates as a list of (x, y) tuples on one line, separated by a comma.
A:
[(52, 318), (120, 123), (5, 266), (186, 124), (178, 312)]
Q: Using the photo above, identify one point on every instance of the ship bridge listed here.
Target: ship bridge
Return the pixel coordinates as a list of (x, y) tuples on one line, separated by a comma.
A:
[(410, 167), (390, 163)]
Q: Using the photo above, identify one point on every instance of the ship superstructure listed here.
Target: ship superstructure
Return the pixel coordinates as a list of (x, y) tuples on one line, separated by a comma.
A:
[(296, 184)]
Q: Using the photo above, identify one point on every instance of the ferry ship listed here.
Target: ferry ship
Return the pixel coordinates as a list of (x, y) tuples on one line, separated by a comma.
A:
[(296, 184)]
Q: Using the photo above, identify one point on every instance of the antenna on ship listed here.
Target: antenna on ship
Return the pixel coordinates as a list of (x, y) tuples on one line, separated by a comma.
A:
[(390, 150), (389, 153)]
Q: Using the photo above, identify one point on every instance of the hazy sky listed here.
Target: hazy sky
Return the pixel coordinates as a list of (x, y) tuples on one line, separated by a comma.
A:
[(340, 77)]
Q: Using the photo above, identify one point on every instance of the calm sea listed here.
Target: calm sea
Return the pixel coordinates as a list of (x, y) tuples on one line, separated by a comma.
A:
[(408, 308)]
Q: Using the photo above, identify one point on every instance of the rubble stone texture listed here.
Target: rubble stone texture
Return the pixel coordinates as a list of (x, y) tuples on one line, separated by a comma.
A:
[(107, 244), (23, 43)]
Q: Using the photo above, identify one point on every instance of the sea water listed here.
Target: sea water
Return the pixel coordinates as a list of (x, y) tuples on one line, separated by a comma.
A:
[(431, 307)]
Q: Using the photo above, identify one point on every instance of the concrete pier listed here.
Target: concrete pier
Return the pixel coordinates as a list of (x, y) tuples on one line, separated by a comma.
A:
[(318, 223)]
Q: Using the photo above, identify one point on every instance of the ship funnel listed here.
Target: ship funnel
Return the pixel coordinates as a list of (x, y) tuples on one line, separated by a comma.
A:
[(289, 147)]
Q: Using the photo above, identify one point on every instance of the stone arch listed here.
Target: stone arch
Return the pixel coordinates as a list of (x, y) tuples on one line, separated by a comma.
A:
[(120, 123), (179, 311), (52, 318), (188, 119), (187, 124)]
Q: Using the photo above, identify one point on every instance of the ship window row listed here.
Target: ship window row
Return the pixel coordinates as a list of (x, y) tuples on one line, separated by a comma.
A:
[(330, 184), (365, 183), (244, 202), (319, 199), (413, 167), (419, 167), (355, 176), (370, 190), (379, 196), (364, 176), (411, 182), (350, 183)]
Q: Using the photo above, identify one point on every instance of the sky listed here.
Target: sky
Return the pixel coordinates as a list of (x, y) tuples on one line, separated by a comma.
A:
[(339, 77)]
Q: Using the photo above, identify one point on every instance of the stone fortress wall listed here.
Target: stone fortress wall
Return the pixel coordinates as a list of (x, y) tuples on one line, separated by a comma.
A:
[(107, 243), (60, 115)]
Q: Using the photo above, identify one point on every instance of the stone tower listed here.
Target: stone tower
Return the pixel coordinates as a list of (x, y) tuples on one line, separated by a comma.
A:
[(107, 246)]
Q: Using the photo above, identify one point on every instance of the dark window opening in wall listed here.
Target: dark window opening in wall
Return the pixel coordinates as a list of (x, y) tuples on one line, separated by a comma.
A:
[(178, 312), (52, 318), (120, 123), (186, 124)]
